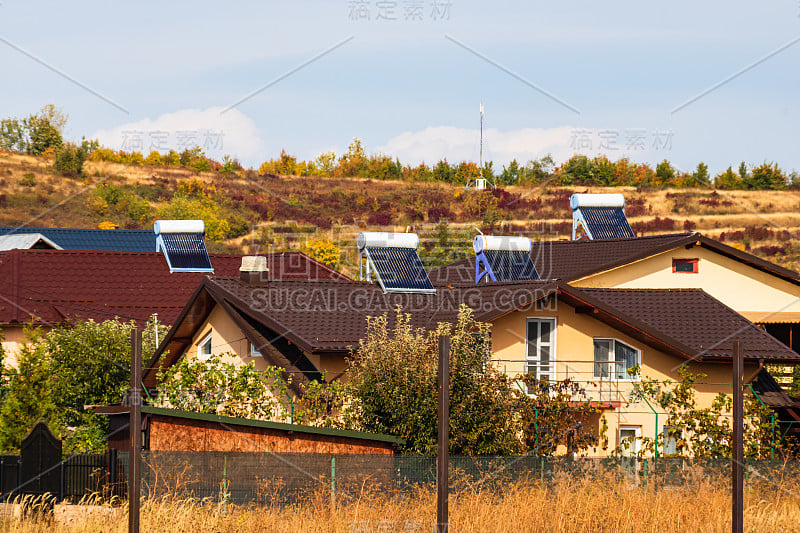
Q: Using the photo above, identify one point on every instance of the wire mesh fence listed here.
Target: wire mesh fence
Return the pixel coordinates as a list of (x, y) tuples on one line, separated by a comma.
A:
[(285, 479)]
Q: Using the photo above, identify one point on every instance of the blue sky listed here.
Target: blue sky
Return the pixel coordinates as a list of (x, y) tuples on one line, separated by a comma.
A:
[(411, 88)]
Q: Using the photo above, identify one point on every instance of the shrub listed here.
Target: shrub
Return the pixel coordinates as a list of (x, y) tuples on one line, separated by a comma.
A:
[(28, 180), (69, 160)]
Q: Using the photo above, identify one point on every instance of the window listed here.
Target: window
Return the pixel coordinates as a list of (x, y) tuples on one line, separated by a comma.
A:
[(671, 436), (253, 351), (685, 266), (204, 348), (541, 347), (613, 358), (629, 440)]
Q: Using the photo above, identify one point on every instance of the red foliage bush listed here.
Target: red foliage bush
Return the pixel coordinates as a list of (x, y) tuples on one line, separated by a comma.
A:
[(379, 219), (770, 250), (635, 207), (435, 214)]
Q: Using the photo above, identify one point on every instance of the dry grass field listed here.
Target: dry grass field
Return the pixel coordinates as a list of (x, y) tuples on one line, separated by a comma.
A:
[(568, 505)]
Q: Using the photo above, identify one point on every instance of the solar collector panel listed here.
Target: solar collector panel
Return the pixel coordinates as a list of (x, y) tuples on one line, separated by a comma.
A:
[(606, 222), (511, 265), (399, 269), (186, 251)]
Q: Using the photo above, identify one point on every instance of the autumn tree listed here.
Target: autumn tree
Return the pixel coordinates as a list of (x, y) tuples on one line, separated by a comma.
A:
[(393, 383)]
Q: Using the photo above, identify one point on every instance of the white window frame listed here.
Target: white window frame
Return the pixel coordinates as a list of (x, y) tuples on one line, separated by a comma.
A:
[(205, 340), (613, 352), (637, 441), (551, 374), (253, 351)]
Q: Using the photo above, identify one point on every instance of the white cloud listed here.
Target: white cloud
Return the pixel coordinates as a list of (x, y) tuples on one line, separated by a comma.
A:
[(217, 133), (458, 144)]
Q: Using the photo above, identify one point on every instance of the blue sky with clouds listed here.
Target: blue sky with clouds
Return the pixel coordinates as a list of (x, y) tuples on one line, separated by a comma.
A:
[(615, 72)]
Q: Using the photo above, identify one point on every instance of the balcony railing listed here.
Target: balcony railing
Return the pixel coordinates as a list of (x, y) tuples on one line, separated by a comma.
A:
[(599, 381)]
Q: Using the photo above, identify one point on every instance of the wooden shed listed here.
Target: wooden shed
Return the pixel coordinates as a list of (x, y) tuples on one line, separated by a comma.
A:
[(173, 430)]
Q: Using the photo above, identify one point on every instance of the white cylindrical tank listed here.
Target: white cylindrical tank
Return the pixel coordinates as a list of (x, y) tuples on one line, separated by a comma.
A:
[(596, 200), (385, 239), (491, 242), (179, 226)]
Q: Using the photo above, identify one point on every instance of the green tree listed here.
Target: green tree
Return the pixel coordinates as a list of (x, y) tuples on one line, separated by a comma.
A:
[(665, 173), (700, 175), (728, 180), (182, 207), (69, 160), (706, 431), (510, 175), (766, 176), (394, 387)]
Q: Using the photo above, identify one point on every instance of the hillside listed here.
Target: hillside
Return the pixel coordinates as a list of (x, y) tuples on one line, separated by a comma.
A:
[(245, 212)]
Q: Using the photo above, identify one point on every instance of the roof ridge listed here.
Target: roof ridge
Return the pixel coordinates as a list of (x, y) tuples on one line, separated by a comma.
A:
[(637, 238)]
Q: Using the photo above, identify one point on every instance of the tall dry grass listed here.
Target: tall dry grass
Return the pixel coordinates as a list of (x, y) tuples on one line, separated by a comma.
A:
[(566, 504)]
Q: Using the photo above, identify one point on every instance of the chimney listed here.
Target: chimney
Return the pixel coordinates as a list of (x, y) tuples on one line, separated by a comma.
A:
[(254, 270)]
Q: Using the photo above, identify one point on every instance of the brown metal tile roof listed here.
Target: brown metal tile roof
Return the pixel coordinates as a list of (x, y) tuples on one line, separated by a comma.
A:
[(56, 284), (572, 260), (693, 319)]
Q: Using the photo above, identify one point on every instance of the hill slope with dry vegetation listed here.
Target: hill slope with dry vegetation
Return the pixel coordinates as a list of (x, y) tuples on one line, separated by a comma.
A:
[(246, 212)]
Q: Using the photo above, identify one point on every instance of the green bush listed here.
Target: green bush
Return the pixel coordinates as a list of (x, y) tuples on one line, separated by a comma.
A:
[(69, 160)]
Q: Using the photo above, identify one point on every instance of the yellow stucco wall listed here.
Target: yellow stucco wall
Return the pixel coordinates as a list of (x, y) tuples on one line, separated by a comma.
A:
[(574, 351), (14, 337), (227, 340), (755, 294)]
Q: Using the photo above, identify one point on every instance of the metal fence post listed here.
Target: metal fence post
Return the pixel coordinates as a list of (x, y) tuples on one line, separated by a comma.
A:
[(442, 485), (135, 403), (738, 444), (333, 481)]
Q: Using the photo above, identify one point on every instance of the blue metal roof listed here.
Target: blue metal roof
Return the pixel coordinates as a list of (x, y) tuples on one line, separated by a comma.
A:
[(122, 240)]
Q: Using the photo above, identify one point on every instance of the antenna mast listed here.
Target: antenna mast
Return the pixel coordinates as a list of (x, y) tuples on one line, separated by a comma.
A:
[(480, 161)]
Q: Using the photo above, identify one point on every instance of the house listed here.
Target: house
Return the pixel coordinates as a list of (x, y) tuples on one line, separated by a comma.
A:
[(548, 327), (47, 287), (679, 261)]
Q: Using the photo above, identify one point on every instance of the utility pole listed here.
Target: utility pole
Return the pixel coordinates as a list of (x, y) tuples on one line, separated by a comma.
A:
[(737, 461), (443, 460), (135, 426)]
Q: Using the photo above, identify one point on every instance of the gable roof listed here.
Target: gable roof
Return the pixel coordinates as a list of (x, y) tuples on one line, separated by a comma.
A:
[(54, 285), (331, 317), (573, 260), (26, 241), (692, 321), (92, 239)]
